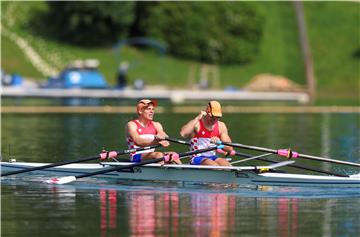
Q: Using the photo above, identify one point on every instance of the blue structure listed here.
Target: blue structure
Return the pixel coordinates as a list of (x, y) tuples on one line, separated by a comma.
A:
[(11, 80), (79, 76)]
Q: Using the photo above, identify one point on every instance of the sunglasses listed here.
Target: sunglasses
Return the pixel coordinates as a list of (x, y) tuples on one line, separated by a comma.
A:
[(147, 102)]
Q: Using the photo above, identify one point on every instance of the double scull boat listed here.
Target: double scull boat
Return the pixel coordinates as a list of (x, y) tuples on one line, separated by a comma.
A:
[(241, 175)]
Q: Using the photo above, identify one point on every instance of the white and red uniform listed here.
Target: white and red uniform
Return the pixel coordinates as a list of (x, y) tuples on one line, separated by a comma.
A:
[(201, 140), (146, 132)]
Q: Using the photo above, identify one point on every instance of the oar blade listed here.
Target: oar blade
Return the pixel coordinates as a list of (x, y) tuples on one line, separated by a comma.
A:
[(62, 180), (356, 176), (281, 164)]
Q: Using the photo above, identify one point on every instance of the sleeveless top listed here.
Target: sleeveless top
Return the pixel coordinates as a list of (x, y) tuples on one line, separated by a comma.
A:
[(147, 132), (202, 139)]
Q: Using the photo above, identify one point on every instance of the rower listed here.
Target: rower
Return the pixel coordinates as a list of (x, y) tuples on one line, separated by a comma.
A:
[(143, 131), (205, 130)]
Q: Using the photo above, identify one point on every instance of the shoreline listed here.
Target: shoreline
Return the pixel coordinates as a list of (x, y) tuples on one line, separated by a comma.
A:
[(178, 109)]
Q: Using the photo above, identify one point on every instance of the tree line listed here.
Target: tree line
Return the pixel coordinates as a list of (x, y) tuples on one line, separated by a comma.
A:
[(210, 32)]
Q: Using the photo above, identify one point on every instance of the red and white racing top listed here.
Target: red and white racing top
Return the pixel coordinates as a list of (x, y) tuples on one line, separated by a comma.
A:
[(202, 138), (146, 132)]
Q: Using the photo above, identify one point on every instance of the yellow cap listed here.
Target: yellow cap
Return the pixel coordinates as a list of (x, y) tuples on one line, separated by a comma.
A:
[(214, 108)]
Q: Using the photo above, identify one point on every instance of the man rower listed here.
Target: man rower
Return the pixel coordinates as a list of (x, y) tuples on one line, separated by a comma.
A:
[(143, 132), (205, 130)]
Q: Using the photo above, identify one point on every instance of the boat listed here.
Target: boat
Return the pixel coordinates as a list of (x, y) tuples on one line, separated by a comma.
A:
[(239, 175)]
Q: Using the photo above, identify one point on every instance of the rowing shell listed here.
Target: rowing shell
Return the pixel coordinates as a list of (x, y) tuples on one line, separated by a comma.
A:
[(242, 175)]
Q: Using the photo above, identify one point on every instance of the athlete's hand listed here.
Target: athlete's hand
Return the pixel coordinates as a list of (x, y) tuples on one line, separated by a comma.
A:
[(159, 137), (172, 157), (226, 153), (214, 140), (201, 115), (164, 143), (161, 140)]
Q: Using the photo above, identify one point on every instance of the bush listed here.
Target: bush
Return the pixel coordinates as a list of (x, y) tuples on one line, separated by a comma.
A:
[(212, 32), (91, 23)]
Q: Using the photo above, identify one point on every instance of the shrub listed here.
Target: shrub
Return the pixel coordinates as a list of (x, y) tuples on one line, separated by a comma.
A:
[(91, 23), (212, 32)]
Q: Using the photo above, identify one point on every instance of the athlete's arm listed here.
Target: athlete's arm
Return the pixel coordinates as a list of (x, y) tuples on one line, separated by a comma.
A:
[(189, 129), (224, 136), (160, 136)]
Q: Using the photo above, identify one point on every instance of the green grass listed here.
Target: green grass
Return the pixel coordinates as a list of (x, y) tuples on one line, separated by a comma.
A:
[(331, 29), (279, 52), (334, 37), (14, 60)]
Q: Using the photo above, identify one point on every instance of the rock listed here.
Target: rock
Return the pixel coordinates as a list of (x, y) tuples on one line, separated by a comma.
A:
[(269, 82)]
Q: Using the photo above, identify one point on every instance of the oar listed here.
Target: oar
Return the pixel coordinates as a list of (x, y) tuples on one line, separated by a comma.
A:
[(177, 141), (260, 157), (293, 166), (103, 155), (220, 151), (289, 154), (250, 158), (69, 179)]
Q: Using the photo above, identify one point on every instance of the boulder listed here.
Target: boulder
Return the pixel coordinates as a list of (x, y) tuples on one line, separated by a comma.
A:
[(269, 82)]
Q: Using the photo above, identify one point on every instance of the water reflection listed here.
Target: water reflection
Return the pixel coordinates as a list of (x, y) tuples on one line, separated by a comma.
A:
[(287, 217), (141, 211), (142, 217), (108, 211), (214, 214)]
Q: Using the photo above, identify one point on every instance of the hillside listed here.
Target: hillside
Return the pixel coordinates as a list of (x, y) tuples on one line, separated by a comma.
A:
[(336, 68), (334, 31)]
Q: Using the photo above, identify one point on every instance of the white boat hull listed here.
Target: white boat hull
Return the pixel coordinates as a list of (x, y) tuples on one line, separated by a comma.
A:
[(244, 175)]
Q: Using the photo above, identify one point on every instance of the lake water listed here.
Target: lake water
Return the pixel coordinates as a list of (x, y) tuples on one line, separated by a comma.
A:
[(101, 208)]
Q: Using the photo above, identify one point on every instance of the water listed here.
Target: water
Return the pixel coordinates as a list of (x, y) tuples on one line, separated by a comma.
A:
[(102, 208)]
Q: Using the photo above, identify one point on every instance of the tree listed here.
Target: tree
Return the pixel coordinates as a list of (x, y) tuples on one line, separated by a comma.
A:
[(212, 32), (91, 23)]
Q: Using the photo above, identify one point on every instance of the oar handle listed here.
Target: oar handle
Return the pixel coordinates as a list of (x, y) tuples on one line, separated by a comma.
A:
[(177, 141)]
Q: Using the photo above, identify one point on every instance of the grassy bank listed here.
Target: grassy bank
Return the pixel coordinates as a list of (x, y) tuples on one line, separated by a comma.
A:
[(331, 29)]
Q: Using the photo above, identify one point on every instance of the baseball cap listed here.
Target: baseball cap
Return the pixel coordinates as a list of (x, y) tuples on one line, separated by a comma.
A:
[(145, 103), (214, 108)]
